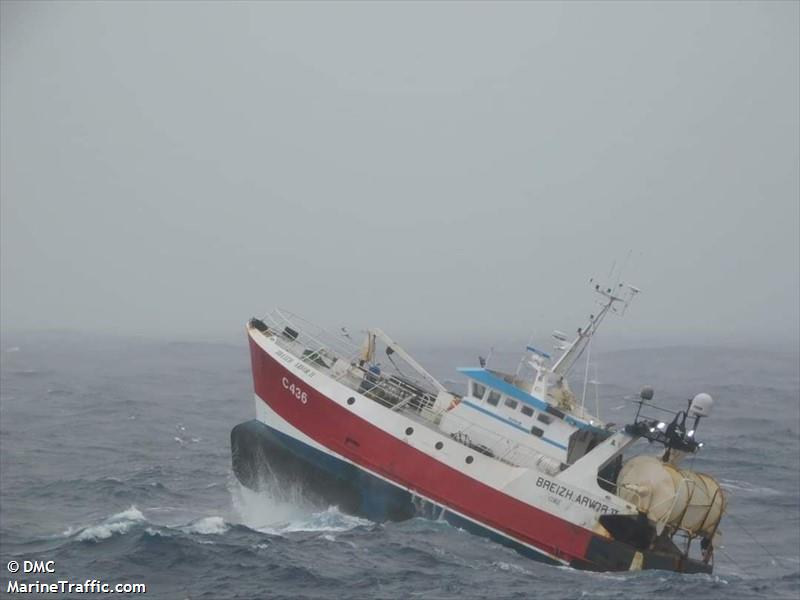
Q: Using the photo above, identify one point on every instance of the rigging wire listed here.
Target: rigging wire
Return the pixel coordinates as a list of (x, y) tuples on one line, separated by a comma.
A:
[(733, 560), (759, 544), (394, 364)]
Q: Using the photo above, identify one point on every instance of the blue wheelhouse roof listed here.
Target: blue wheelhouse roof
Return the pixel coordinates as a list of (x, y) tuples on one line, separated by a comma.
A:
[(489, 379)]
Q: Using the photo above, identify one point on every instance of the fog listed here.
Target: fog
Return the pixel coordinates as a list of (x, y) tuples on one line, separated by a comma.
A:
[(443, 171)]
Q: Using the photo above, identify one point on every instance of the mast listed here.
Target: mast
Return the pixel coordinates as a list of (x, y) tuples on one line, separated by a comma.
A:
[(576, 348)]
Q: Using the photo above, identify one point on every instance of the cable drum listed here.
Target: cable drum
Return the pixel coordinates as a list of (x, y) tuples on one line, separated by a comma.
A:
[(682, 499)]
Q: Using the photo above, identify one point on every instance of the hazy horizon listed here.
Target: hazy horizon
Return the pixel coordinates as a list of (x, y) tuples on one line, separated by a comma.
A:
[(444, 171), (479, 344)]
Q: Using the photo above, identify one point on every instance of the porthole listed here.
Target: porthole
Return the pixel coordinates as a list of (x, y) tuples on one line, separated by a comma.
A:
[(439, 445), (409, 430), (351, 400), (469, 460)]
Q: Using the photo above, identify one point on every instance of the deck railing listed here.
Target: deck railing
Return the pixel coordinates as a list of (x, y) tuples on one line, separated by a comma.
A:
[(317, 340)]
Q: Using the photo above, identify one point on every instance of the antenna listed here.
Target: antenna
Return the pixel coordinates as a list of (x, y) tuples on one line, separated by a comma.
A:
[(611, 270), (484, 362), (586, 375), (610, 297), (619, 271)]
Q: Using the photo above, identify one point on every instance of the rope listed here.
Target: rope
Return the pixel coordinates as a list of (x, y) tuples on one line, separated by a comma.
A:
[(730, 558), (752, 537)]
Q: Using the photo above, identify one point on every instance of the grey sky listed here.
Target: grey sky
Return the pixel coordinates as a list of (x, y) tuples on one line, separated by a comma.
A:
[(448, 169)]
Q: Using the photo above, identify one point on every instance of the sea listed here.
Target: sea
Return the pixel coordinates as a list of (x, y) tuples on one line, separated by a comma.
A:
[(115, 467)]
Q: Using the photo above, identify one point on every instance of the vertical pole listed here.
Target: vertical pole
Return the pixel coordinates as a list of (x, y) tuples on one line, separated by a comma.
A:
[(586, 374), (596, 395)]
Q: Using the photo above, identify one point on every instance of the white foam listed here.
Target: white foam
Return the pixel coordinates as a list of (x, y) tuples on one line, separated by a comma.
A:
[(207, 526), (118, 523), (736, 485), (286, 510), (504, 566), (155, 532), (328, 520), (132, 514), (269, 508)]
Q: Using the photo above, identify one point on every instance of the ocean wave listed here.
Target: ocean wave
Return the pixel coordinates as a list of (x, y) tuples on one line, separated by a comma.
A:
[(207, 526), (268, 508), (286, 510), (328, 520), (125, 521), (116, 524), (505, 566), (59, 392), (737, 485), (26, 372)]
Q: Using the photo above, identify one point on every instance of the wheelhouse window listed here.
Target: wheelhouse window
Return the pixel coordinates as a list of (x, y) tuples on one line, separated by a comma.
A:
[(527, 410), (546, 419), (478, 390), (494, 398), (511, 403)]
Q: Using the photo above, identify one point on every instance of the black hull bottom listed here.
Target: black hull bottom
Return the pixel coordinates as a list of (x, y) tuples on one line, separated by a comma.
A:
[(260, 453)]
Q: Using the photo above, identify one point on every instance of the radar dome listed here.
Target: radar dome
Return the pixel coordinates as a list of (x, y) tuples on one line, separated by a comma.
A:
[(701, 405)]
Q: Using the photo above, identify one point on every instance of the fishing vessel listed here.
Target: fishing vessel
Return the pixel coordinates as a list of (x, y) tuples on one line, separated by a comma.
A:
[(515, 457)]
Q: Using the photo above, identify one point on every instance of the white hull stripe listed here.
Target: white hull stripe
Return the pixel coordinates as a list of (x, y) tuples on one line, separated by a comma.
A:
[(509, 422)]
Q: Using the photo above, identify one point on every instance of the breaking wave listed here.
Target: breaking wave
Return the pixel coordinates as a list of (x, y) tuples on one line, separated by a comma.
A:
[(118, 523), (207, 526), (260, 512), (328, 520), (286, 510)]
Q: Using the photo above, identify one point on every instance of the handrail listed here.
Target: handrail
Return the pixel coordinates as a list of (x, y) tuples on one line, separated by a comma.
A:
[(310, 335), (318, 339)]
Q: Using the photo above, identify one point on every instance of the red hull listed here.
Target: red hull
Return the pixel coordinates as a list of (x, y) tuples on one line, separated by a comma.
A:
[(369, 447)]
